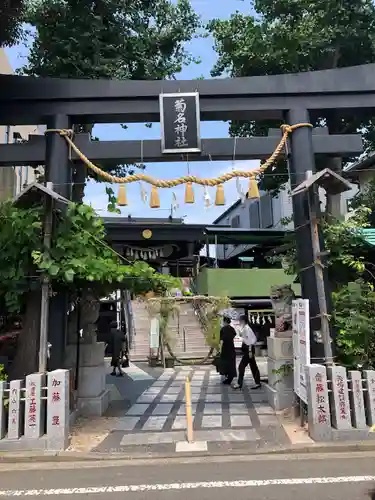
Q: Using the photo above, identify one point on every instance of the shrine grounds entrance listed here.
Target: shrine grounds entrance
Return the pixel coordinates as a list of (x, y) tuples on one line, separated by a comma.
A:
[(150, 413), (296, 99), (155, 409)]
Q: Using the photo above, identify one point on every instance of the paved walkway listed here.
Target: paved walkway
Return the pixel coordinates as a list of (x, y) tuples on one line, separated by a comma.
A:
[(223, 418)]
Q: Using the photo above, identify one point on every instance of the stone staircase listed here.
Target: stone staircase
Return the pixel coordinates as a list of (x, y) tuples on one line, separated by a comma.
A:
[(188, 338), (141, 320)]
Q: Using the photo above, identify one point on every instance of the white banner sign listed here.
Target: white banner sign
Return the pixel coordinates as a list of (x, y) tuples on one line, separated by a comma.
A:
[(301, 345), (295, 346)]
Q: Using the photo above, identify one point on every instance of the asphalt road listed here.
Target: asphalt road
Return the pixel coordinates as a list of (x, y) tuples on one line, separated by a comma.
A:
[(326, 477)]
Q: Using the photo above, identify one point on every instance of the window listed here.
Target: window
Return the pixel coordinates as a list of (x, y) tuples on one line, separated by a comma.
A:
[(266, 211), (235, 222), (254, 215)]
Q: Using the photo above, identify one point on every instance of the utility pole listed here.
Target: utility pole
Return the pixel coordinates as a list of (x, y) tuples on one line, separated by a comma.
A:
[(314, 210), (44, 308), (333, 184)]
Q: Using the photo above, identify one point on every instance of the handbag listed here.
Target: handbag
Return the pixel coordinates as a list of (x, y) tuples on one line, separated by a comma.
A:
[(217, 363), (124, 360)]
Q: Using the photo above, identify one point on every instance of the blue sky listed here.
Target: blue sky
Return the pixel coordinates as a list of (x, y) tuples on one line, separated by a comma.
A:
[(95, 193)]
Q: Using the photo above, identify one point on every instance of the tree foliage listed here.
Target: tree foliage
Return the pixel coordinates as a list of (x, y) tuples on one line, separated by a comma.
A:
[(351, 272), (79, 257), (366, 198), (11, 17), (137, 39), (288, 36), (354, 319), (348, 254), (114, 39)]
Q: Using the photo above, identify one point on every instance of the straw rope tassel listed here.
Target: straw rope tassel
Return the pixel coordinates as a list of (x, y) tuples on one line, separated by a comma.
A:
[(154, 198), (253, 192), (189, 193), (220, 197), (122, 199)]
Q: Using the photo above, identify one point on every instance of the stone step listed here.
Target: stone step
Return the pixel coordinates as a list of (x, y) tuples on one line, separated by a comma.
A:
[(195, 343)]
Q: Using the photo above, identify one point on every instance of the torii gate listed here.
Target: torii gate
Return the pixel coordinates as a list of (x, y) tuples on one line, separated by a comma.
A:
[(60, 103)]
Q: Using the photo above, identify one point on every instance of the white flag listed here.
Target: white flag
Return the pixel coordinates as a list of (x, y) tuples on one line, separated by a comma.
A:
[(240, 191), (175, 204), (144, 195), (206, 198)]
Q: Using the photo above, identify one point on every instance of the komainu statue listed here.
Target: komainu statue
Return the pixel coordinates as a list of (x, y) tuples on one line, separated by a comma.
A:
[(281, 298)]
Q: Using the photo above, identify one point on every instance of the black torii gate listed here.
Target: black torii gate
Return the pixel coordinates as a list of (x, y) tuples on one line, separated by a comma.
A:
[(293, 98)]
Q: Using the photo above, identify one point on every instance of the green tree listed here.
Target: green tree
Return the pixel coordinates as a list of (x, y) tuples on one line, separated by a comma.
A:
[(79, 259), (366, 198), (288, 36), (348, 253), (123, 39), (354, 319), (11, 17), (351, 270)]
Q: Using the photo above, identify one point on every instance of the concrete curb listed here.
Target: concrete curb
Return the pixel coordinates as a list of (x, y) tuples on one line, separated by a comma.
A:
[(73, 456)]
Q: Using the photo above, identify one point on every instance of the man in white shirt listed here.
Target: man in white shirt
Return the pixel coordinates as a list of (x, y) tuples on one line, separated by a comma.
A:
[(248, 354)]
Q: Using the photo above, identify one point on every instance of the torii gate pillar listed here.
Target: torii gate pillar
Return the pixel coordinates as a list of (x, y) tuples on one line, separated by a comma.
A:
[(58, 171), (301, 160)]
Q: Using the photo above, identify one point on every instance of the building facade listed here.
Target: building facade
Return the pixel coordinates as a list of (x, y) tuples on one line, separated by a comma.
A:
[(269, 212), (362, 171), (265, 213), (14, 179)]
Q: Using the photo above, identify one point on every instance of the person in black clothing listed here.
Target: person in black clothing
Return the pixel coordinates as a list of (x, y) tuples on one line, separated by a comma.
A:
[(117, 341), (228, 352)]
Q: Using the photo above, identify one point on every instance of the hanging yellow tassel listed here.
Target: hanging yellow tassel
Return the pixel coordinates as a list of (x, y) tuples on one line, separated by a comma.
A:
[(220, 198), (154, 198), (122, 199), (253, 192), (189, 193)]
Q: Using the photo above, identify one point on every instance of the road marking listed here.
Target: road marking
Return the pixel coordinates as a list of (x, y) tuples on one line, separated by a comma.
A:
[(136, 373), (134, 488)]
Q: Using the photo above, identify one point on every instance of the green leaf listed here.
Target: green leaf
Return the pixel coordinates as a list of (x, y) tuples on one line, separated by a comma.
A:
[(69, 275), (54, 270)]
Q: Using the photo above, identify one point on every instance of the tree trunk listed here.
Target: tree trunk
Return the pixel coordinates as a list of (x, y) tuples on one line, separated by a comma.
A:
[(26, 358), (333, 201)]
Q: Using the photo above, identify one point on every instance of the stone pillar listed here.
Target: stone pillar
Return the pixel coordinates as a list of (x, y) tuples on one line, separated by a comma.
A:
[(369, 376), (58, 412), (280, 390), (356, 400), (15, 417), (93, 397), (320, 428), (3, 385), (340, 406), (34, 406)]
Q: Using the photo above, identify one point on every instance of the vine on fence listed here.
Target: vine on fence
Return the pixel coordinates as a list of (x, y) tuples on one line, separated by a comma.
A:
[(166, 307)]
